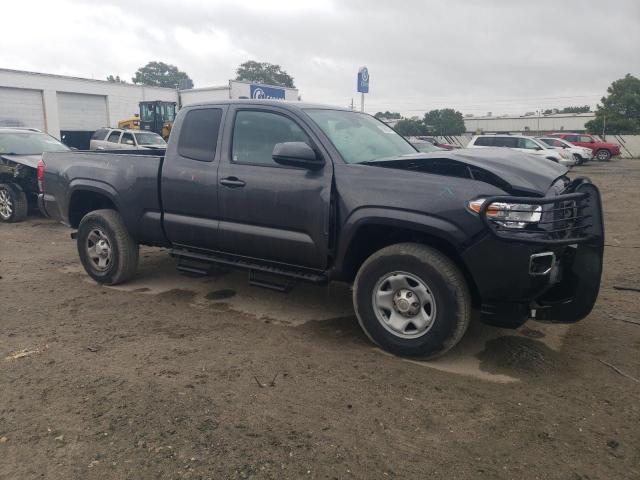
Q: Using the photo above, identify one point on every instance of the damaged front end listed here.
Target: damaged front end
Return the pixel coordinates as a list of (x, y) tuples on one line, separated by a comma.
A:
[(562, 249)]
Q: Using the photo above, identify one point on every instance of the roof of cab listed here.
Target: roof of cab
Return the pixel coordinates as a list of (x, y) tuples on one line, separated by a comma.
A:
[(289, 105)]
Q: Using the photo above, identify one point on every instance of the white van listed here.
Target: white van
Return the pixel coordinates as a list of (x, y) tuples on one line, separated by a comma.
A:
[(523, 144)]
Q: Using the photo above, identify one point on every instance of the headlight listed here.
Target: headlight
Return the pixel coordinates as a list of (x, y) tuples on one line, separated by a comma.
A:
[(510, 215)]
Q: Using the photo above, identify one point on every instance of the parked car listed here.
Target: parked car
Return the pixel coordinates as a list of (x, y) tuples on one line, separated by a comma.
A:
[(434, 141), (20, 151), (602, 151), (118, 138), (523, 144), (301, 192), (425, 146), (581, 154)]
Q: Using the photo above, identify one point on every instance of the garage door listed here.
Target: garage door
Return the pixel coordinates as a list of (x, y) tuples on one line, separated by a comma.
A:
[(79, 111), (21, 108)]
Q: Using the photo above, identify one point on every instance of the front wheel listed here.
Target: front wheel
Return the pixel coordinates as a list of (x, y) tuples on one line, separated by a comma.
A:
[(578, 159), (603, 155), (107, 251), (13, 203), (412, 300)]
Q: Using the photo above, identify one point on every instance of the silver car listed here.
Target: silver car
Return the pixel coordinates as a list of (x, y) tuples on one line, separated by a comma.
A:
[(121, 139)]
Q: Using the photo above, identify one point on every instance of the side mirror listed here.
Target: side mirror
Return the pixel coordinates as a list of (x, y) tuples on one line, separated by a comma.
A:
[(297, 154)]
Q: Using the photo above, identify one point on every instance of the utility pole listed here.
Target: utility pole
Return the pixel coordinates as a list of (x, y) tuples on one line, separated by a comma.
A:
[(362, 102)]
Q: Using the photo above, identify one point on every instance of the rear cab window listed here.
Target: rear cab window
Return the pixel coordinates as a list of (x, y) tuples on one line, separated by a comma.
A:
[(199, 134)]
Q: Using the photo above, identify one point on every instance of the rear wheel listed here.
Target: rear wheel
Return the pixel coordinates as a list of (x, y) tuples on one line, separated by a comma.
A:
[(13, 203), (107, 251), (603, 155), (412, 300)]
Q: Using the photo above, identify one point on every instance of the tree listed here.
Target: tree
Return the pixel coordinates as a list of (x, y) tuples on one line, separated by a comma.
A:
[(583, 109), (159, 74), (410, 127), (620, 109), (388, 115), (444, 122), (263, 72), (115, 79)]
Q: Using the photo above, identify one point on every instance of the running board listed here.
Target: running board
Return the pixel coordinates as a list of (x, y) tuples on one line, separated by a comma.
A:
[(253, 267), (271, 282)]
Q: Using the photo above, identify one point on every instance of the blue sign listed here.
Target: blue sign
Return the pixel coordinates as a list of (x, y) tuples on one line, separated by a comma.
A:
[(363, 80), (260, 92)]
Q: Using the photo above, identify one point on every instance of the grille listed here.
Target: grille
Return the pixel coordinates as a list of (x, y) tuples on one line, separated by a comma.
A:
[(571, 217)]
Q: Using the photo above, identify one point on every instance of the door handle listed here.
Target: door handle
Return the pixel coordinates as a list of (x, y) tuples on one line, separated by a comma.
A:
[(232, 182)]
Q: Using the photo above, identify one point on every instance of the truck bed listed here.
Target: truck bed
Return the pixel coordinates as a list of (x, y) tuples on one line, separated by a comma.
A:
[(130, 179)]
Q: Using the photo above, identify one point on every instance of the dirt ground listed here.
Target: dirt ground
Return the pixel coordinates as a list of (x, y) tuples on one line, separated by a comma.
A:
[(208, 378)]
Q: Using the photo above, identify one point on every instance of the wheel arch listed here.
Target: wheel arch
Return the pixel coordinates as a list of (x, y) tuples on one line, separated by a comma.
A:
[(88, 197), (369, 230)]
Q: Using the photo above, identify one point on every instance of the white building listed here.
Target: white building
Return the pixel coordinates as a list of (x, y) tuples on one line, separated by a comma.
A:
[(569, 122), (71, 108), (58, 104)]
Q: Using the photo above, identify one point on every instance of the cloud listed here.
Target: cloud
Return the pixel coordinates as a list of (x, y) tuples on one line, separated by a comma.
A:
[(504, 56)]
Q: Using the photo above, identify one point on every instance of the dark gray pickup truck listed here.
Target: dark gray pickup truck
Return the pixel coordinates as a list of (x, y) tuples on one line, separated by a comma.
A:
[(300, 192)]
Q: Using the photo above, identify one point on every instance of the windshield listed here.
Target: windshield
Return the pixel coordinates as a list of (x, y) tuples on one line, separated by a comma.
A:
[(360, 137), (32, 143), (148, 138)]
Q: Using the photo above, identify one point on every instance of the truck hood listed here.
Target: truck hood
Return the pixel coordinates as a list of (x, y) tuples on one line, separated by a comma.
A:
[(27, 160), (517, 172)]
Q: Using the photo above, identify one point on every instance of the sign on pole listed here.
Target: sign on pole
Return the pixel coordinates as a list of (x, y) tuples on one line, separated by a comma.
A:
[(363, 80), (363, 85)]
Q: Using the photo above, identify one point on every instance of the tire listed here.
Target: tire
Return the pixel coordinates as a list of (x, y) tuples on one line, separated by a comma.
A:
[(578, 159), (603, 155), (409, 264), (13, 203), (107, 251)]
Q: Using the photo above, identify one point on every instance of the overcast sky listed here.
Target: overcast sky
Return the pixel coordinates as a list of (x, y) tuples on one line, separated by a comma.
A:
[(503, 56)]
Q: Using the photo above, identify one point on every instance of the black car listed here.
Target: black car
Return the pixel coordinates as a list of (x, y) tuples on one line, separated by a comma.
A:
[(20, 151), (301, 192)]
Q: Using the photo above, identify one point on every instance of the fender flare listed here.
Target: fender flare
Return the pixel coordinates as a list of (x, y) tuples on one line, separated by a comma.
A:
[(95, 186), (436, 227)]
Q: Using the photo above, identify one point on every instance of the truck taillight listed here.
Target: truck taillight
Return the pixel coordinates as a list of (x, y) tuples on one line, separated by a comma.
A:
[(41, 176)]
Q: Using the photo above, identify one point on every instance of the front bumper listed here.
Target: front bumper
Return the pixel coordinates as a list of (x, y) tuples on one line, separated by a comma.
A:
[(555, 276)]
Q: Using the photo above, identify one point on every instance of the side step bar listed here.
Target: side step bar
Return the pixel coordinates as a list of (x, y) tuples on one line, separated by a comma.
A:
[(253, 267)]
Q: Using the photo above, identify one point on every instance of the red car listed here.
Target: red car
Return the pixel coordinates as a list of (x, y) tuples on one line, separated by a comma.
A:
[(603, 151), (434, 141)]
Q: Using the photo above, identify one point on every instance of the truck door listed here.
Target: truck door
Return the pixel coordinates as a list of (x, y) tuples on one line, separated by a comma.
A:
[(269, 211), (189, 186)]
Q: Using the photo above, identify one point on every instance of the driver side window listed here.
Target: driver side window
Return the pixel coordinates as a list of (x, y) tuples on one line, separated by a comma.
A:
[(255, 133), (127, 139)]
